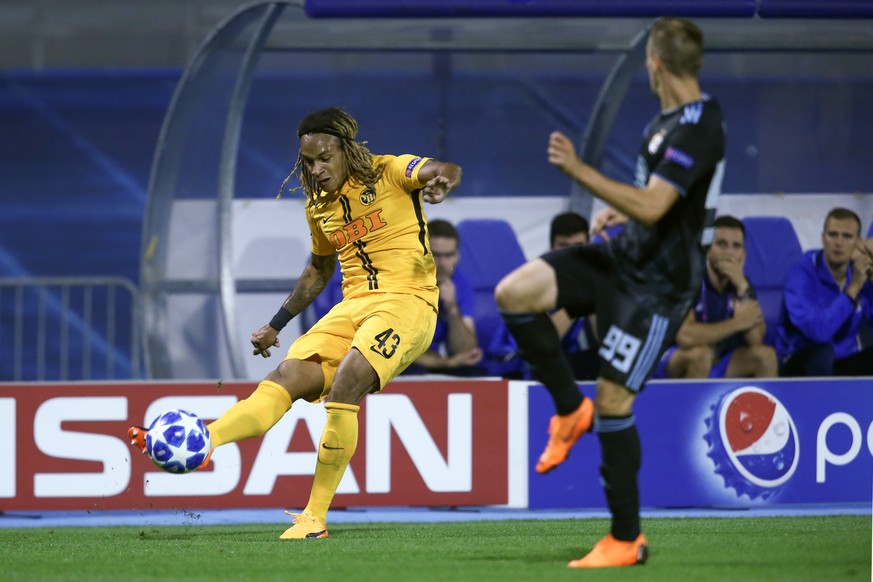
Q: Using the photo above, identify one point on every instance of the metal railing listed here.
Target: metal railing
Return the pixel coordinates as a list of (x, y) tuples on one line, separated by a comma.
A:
[(69, 328)]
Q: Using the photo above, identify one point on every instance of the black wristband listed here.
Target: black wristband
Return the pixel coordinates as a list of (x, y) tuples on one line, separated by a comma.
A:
[(281, 319), (749, 294)]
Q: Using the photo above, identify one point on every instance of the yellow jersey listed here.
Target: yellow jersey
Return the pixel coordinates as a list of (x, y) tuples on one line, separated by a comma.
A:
[(381, 237)]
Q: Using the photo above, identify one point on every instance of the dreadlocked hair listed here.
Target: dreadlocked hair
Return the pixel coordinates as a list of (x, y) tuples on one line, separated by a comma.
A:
[(357, 158)]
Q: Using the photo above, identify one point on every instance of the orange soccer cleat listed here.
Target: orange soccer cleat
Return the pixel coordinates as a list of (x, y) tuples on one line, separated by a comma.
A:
[(137, 435), (564, 431), (611, 553)]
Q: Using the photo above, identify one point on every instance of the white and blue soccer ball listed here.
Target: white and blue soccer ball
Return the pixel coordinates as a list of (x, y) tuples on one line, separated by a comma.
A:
[(178, 441)]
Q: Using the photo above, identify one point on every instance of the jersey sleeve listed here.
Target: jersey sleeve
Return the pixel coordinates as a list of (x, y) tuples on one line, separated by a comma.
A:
[(320, 245), (403, 171), (688, 157)]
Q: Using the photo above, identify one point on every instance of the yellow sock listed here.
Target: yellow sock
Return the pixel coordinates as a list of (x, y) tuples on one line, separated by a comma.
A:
[(253, 416), (338, 443)]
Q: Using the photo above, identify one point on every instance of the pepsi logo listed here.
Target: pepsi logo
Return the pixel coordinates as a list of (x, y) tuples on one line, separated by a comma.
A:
[(753, 442)]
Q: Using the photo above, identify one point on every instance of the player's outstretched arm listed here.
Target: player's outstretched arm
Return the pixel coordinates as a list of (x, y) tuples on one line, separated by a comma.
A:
[(646, 206), (311, 283), (440, 178)]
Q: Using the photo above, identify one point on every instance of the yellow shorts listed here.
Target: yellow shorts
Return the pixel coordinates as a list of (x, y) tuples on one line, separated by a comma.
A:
[(389, 329)]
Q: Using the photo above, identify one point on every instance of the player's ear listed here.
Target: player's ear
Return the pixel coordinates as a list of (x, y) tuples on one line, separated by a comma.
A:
[(659, 64)]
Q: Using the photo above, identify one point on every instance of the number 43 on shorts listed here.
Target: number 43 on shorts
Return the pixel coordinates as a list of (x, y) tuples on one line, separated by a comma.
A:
[(619, 349), (386, 343)]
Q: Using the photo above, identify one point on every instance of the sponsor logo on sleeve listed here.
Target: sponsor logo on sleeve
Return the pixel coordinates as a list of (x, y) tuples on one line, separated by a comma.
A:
[(411, 166), (679, 157)]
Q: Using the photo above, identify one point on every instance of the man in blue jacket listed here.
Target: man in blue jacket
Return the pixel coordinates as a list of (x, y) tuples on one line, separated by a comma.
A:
[(828, 297)]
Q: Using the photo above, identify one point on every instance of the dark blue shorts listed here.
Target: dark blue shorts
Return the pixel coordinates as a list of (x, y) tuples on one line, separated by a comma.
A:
[(635, 326)]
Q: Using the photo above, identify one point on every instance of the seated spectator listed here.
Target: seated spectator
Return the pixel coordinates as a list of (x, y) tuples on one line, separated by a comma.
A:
[(723, 335), (454, 349), (578, 339), (828, 295), (568, 229)]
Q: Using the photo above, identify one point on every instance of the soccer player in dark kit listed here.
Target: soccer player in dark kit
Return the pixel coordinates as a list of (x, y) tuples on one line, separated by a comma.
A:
[(640, 284)]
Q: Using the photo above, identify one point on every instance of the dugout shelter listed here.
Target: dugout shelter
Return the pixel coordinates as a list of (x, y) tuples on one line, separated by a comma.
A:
[(475, 82)]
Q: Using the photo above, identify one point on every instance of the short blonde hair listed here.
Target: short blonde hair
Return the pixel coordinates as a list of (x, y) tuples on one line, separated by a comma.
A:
[(678, 42)]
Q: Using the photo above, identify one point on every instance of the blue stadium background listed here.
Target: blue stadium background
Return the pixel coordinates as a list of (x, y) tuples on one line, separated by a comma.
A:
[(77, 143), (77, 147)]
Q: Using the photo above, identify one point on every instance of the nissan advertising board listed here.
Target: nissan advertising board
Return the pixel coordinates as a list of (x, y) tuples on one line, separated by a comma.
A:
[(421, 443), (445, 443)]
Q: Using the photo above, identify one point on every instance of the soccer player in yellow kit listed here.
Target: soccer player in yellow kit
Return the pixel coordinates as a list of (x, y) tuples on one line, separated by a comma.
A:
[(368, 210)]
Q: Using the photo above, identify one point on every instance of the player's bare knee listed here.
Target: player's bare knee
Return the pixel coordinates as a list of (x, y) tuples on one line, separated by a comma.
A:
[(530, 288), (355, 378), (613, 399), (511, 295), (350, 392), (506, 295), (284, 373), (302, 379)]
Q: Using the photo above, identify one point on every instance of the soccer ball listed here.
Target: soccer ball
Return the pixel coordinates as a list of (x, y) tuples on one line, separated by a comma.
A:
[(178, 441)]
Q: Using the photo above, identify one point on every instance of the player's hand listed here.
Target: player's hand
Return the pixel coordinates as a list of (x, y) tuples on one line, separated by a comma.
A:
[(748, 314), (436, 189), (605, 218), (562, 152), (263, 339)]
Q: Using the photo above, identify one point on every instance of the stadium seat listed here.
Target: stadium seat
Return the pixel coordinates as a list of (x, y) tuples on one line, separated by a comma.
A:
[(611, 231), (489, 251), (772, 248)]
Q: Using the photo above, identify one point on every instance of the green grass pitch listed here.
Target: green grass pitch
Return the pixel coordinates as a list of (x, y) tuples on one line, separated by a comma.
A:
[(743, 549)]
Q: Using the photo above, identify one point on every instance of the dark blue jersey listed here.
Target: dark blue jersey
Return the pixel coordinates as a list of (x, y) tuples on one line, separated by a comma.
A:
[(713, 306), (685, 147)]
